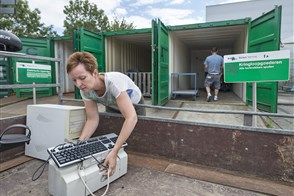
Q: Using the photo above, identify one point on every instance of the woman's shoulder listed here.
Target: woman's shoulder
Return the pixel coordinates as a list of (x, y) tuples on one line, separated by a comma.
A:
[(115, 75)]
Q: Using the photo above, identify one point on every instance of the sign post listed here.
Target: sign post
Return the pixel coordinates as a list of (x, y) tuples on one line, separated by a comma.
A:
[(254, 103), (257, 67)]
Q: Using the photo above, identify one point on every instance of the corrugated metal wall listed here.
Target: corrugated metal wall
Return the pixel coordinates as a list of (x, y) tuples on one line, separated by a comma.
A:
[(62, 49), (123, 56)]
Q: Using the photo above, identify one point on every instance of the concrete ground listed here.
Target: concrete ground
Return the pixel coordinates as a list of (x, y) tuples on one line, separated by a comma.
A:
[(150, 176), (285, 106)]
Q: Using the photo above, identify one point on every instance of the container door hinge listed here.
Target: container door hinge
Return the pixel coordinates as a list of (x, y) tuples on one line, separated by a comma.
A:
[(154, 47)]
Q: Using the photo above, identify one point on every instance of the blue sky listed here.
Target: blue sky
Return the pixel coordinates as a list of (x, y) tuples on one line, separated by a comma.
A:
[(140, 12)]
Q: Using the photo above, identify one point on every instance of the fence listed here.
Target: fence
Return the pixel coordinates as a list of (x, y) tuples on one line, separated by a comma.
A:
[(143, 80), (60, 88)]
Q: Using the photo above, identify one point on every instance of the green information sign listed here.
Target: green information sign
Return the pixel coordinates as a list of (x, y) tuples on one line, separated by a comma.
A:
[(29, 72), (257, 67)]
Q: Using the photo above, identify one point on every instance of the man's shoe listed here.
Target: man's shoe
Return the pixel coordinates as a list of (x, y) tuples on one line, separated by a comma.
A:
[(215, 98), (209, 98)]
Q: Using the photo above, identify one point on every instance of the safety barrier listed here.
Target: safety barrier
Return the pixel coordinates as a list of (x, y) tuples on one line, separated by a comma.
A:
[(143, 80)]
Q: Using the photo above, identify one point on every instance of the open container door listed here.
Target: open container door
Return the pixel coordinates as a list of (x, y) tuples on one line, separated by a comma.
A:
[(160, 66), (87, 41), (264, 35)]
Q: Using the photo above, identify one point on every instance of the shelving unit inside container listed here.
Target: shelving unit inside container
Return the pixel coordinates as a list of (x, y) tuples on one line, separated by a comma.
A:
[(184, 84)]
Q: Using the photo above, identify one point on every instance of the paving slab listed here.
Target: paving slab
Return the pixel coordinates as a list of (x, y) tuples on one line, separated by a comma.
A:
[(139, 180)]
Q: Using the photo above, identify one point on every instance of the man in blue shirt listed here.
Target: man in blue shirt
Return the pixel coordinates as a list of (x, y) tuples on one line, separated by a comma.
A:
[(214, 65)]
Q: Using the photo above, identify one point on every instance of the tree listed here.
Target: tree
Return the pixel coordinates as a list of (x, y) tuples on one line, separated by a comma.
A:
[(25, 22), (118, 25), (81, 13)]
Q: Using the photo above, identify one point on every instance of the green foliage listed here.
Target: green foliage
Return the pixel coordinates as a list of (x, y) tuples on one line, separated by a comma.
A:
[(25, 22), (118, 25), (81, 13)]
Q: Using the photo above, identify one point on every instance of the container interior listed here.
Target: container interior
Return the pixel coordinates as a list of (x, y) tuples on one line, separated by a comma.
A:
[(189, 48), (128, 53)]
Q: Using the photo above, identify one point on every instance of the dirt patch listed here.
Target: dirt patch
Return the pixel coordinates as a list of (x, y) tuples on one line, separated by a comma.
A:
[(286, 152)]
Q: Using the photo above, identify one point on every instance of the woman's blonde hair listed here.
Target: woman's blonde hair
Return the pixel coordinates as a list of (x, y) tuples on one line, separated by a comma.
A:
[(85, 58)]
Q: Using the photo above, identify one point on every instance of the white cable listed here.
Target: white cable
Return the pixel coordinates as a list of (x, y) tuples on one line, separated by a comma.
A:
[(79, 171), (108, 181), (108, 173)]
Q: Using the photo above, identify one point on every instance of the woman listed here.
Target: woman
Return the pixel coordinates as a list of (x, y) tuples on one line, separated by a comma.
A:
[(113, 89)]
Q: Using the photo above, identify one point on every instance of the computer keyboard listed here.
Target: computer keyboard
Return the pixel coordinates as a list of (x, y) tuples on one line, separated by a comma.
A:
[(70, 153)]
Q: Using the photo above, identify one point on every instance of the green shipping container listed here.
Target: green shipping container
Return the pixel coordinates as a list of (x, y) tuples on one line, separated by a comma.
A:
[(162, 50), (4, 76)]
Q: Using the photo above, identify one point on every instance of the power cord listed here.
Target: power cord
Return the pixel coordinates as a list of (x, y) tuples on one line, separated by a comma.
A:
[(100, 164), (85, 184), (43, 166), (108, 174), (80, 175)]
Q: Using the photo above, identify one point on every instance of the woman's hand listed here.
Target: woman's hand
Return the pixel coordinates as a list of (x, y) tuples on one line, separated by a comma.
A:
[(110, 162)]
